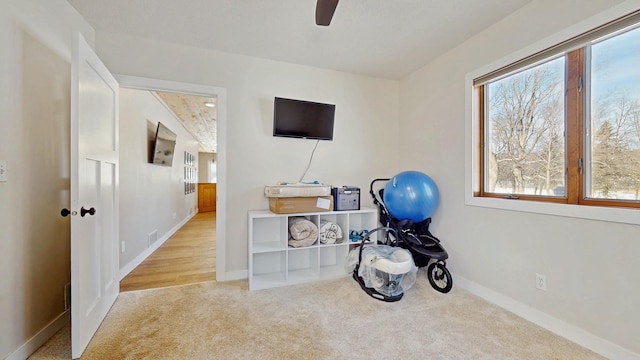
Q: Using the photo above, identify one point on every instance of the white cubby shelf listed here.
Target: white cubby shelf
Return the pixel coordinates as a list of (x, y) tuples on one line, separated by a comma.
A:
[(273, 263)]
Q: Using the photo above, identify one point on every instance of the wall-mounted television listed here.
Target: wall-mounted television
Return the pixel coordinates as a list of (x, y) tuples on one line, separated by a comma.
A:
[(164, 146), (303, 119)]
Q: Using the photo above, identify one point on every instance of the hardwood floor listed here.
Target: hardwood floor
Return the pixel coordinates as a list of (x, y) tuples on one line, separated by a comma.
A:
[(189, 256)]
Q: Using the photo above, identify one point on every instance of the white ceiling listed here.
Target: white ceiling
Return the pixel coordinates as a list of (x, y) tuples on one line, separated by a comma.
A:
[(380, 38)]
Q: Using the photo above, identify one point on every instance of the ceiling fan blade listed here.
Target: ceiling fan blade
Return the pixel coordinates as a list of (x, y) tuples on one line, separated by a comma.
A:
[(324, 11)]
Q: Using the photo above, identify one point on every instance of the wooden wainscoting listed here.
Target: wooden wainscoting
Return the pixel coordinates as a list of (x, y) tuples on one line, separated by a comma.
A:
[(206, 197)]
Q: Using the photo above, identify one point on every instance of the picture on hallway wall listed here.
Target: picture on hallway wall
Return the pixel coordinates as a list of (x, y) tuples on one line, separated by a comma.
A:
[(190, 173)]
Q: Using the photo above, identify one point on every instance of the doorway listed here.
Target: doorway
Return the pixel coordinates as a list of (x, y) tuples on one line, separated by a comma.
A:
[(209, 225)]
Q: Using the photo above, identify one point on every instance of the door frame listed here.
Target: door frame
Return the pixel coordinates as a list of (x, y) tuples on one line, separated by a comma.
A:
[(149, 84)]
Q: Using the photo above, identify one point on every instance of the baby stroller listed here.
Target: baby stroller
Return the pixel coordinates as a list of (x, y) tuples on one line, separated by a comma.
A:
[(415, 237)]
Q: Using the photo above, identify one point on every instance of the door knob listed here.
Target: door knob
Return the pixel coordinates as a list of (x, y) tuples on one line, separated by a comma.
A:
[(84, 211), (65, 212)]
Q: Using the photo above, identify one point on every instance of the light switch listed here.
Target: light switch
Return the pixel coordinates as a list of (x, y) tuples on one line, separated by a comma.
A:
[(3, 171)]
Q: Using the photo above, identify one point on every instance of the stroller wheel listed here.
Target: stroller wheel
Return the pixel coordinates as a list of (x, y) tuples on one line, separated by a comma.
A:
[(439, 277)]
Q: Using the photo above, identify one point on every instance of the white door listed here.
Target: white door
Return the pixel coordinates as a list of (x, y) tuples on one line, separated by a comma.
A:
[(94, 194)]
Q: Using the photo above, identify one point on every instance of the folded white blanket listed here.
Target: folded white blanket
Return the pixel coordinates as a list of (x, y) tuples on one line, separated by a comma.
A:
[(302, 232), (330, 233)]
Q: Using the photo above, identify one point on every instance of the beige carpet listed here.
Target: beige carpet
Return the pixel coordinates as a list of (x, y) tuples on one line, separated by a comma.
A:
[(326, 320)]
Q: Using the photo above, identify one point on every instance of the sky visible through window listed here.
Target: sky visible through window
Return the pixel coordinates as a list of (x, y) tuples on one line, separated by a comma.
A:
[(616, 62), (614, 162)]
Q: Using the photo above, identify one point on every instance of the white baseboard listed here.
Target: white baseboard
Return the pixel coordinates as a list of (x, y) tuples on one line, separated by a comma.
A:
[(571, 332), (232, 275), (41, 337), (125, 270)]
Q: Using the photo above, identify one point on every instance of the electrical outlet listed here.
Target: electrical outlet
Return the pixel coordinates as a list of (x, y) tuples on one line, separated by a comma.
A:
[(175, 215), (541, 282), (122, 247)]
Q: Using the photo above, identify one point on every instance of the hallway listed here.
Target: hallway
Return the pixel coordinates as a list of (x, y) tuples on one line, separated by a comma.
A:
[(189, 256)]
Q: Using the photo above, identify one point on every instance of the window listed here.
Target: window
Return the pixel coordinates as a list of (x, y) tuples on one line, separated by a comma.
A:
[(613, 149), (564, 124), (213, 171)]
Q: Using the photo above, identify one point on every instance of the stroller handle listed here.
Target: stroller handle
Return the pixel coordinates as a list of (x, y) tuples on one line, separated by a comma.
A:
[(373, 182)]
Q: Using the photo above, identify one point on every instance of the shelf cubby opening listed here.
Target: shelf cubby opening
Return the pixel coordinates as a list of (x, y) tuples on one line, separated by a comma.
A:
[(332, 260), (269, 269), (303, 264), (268, 234)]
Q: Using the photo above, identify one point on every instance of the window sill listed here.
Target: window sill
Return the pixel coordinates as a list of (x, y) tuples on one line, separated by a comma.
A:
[(609, 214)]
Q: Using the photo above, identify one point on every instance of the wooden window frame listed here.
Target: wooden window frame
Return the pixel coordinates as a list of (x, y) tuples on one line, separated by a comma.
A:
[(575, 126)]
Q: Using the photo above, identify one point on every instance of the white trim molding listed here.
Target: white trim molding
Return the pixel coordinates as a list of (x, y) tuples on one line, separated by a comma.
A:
[(39, 339), (135, 82), (558, 327), (235, 275)]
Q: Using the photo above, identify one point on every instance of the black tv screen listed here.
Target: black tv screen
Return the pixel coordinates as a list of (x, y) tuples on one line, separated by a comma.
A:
[(164, 146), (303, 119)]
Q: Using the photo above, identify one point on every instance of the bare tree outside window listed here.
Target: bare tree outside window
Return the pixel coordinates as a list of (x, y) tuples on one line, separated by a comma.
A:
[(563, 125), (525, 150), (615, 118)]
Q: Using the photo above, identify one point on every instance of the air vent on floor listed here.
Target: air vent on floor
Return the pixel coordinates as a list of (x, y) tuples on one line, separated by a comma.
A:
[(153, 237)]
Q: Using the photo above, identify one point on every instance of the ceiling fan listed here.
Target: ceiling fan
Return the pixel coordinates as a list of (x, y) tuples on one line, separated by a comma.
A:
[(324, 11)]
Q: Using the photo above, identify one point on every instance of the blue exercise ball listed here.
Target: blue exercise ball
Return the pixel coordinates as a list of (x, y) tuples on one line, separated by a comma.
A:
[(411, 195)]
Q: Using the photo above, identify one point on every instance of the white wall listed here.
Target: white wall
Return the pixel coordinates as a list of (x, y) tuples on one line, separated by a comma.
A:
[(150, 194), (35, 75), (364, 145), (591, 266)]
